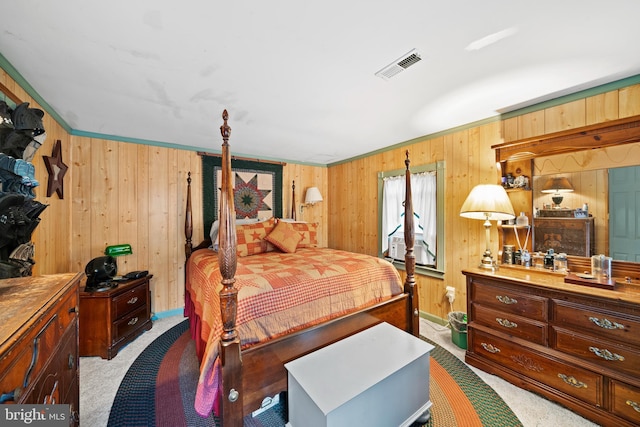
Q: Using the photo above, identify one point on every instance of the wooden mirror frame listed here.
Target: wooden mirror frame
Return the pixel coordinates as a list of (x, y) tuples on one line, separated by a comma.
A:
[(614, 132), (9, 94)]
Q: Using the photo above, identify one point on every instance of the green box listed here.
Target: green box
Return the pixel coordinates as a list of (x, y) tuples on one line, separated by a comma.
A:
[(459, 338)]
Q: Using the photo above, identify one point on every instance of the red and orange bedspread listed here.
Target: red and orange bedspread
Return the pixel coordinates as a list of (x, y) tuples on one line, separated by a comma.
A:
[(279, 293)]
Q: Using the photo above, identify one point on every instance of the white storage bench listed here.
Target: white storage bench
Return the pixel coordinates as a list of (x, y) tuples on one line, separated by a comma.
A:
[(378, 377)]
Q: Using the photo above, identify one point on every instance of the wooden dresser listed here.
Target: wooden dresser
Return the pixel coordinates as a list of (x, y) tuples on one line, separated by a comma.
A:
[(39, 341), (574, 344), (113, 318)]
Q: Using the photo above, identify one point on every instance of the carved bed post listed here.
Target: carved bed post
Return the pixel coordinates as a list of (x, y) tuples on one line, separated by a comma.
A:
[(409, 257), (293, 200), (231, 400), (188, 222)]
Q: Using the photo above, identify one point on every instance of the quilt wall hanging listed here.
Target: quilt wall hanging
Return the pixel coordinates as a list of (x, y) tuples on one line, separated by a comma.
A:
[(257, 189)]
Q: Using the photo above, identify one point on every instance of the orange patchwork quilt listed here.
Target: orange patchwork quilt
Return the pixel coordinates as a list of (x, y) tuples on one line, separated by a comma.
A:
[(279, 293)]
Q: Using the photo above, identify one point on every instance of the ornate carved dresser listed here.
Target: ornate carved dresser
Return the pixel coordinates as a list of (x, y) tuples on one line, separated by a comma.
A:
[(574, 344), (39, 341)]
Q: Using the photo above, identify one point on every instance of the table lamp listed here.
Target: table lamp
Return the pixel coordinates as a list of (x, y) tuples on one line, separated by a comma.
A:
[(118, 250), (557, 186), (487, 202)]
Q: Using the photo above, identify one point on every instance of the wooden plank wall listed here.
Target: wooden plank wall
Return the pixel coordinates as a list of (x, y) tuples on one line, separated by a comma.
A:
[(469, 161), (130, 193)]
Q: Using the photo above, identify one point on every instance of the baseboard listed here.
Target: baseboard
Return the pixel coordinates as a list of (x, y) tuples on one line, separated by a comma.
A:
[(168, 313), (433, 318)]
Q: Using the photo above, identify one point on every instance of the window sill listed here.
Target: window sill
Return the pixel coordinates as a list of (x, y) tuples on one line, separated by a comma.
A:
[(421, 270)]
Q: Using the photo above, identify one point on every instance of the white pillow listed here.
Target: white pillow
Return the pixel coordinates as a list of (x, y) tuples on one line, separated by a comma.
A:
[(213, 233)]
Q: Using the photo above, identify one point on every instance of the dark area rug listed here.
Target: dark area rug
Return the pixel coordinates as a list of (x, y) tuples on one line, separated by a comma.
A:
[(159, 390)]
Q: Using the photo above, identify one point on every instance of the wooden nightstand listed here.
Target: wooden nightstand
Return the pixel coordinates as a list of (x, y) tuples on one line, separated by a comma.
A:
[(113, 318)]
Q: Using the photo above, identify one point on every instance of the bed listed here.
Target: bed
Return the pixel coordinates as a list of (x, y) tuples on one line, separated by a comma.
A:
[(254, 308)]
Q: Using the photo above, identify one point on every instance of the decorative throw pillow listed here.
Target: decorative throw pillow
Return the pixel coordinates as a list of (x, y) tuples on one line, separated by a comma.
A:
[(284, 237), (308, 231), (251, 237), (215, 228)]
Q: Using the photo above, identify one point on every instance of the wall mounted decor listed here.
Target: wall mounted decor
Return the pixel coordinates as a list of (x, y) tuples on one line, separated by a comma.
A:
[(56, 169)]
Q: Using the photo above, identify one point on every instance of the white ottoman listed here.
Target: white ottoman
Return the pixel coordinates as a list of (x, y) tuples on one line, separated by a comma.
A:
[(378, 377)]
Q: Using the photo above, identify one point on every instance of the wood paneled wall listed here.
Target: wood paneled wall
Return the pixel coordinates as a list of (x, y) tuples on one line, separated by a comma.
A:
[(469, 161), (131, 193)]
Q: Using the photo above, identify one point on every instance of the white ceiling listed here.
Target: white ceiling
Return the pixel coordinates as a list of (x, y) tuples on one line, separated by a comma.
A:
[(297, 77)]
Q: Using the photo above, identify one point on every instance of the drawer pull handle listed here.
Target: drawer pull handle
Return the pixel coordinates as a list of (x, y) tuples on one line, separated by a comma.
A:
[(233, 395), (133, 300), (52, 398), (133, 321), (606, 354), (490, 348), (606, 323), (506, 300), (634, 405), (572, 381), (506, 323), (71, 361), (12, 395)]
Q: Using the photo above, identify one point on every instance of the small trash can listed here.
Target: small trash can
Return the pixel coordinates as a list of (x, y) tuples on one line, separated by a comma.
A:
[(458, 322)]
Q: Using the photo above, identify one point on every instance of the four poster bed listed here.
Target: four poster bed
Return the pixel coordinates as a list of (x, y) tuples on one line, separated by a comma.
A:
[(254, 307)]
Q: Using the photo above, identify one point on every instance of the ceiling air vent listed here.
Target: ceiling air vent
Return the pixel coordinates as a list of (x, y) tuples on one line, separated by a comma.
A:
[(399, 65)]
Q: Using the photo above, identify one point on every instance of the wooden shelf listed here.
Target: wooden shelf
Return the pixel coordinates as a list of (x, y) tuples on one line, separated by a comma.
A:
[(614, 132)]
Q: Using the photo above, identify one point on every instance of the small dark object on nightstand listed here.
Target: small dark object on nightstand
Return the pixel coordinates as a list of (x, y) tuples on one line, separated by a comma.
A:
[(136, 274)]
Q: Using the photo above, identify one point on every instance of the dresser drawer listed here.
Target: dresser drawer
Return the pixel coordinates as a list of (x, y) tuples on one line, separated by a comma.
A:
[(601, 323), (129, 301), (625, 401), (129, 323), (509, 301), (580, 383), (512, 324), (57, 378), (607, 354), (21, 367)]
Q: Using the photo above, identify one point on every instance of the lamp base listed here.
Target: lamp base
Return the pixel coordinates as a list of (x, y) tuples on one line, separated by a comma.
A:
[(487, 261), (557, 199)]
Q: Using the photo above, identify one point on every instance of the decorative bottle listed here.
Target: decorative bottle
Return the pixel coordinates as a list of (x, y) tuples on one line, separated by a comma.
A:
[(522, 220)]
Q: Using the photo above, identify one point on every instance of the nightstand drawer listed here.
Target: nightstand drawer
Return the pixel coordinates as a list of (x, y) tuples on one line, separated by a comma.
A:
[(625, 401), (602, 324), (129, 301), (129, 323), (569, 379), (617, 357), (511, 324), (509, 301)]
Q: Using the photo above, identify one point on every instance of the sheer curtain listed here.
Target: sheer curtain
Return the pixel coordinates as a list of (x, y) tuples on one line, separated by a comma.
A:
[(423, 186)]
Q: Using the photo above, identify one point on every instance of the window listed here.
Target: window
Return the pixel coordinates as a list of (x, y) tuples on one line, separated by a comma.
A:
[(427, 185)]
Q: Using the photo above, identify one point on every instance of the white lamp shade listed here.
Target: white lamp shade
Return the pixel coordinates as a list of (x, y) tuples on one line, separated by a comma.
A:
[(312, 196), (487, 201)]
